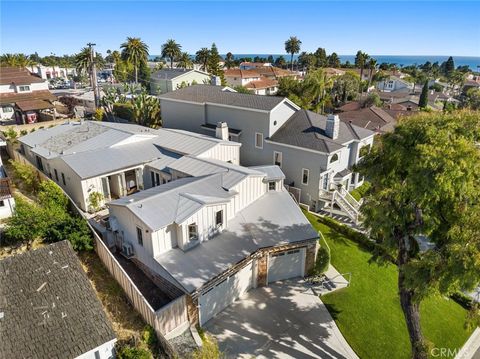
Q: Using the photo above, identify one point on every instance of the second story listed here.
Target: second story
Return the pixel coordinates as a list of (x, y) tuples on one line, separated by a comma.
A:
[(167, 80), (239, 77), (15, 80)]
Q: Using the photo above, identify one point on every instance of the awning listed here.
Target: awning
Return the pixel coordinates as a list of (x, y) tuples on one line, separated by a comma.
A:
[(30, 105), (342, 174)]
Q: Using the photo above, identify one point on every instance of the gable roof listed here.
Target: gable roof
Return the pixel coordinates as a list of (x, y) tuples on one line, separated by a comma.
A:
[(49, 307), (306, 129), (18, 76), (170, 74), (216, 94), (262, 84), (372, 118), (244, 74), (13, 97)]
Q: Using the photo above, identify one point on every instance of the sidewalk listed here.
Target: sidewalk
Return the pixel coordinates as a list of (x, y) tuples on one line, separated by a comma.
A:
[(471, 349)]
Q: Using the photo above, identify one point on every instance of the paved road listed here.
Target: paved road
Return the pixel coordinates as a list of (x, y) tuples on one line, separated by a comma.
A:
[(284, 320)]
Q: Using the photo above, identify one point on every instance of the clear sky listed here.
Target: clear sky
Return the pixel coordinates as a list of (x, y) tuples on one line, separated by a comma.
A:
[(378, 28)]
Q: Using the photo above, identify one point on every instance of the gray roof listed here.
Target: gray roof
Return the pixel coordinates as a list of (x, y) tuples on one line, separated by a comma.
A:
[(272, 220), (272, 172), (307, 129), (175, 201), (49, 307), (216, 94), (170, 74)]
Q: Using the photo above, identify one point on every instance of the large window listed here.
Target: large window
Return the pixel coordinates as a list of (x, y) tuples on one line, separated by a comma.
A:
[(277, 158), (192, 232), (325, 181), (258, 140), (139, 236), (23, 88), (6, 109), (219, 218), (305, 175), (39, 163)]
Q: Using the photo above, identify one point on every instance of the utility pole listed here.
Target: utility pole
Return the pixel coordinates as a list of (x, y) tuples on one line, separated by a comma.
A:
[(93, 75)]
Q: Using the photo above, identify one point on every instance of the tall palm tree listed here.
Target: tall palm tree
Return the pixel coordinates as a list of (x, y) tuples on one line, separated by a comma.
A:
[(229, 61), (15, 60), (202, 56), (362, 61), (171, 50), (135, 51), (185, 61), (372, 65), (83, 60), (292, 46)]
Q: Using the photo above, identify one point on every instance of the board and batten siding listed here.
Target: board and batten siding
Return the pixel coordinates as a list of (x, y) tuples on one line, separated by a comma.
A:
[(223, 152), (249, 190)]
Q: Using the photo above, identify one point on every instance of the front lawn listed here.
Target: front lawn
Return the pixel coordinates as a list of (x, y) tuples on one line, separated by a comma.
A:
[(368, 312)]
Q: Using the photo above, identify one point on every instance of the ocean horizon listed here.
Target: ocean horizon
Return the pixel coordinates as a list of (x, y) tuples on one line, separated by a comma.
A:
[(473, 62)]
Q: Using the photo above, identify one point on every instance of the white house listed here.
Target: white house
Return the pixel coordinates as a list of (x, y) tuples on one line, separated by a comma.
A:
[(253, 65), (49, 308), (23, 96), (393, 83), (239, 77), (52, 72), (109, 158), (166, 80)]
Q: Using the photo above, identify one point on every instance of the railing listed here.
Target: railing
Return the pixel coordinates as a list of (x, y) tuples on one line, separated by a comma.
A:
[(355, 204)]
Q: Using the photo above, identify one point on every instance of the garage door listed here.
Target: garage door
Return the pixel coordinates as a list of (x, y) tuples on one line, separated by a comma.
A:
[(285, 265), (224, 293)]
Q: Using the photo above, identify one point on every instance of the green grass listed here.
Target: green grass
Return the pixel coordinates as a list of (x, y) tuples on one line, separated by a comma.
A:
[(368, 312)]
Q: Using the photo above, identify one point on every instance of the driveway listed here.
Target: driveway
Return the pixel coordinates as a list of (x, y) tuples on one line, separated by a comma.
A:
[(283, 320)]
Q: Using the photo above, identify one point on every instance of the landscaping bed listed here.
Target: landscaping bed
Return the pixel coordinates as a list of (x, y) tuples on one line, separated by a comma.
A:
[(368, 312)]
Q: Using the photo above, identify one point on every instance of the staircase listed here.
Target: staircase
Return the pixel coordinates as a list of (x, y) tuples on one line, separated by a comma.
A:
[(345, 201)]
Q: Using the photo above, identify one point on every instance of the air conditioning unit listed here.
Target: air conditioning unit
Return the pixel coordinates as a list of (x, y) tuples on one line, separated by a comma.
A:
[(127, 250)]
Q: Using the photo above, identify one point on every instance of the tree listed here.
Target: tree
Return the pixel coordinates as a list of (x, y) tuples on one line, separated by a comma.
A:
[(280, 61), (360, 61), (334, 60), (229, 60), (213, 64), (373, 99), (146, 110), (449, 66), (135, 51), (321, 56), (346, 86), (372, 65), (16, 60), (184, 61), (292, 46), (241, 89), (423, 102), (171, 50), (201, 57), (425, 185), (307, 61), (472, 99)]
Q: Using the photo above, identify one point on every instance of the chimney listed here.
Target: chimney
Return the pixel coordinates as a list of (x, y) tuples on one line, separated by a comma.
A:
[(216, 81), (333, 126), (221, 131)]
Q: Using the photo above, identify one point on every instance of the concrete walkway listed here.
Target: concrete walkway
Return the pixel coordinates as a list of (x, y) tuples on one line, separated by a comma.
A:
[(333, 281), (283, 320), (471, 349)]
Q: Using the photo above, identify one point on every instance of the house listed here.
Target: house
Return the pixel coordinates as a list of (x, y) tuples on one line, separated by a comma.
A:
[(314, 152), (7, 202), (214, 232), (275, 73), (52, 72), (253, 65), (373, 118), (49, 308), (264, 86), (110, 158), (166, 80), (239, 77), (393, 83), (23, 97)]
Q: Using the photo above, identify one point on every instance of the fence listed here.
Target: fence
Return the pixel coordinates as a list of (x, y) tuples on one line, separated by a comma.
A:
[(166, 320)]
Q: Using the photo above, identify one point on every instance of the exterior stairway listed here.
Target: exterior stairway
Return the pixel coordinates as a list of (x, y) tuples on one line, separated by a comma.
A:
[(340, 196)]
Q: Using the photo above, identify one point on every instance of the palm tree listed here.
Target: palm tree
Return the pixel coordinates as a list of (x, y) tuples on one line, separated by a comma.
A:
[(171, 50), (229, 60), (135, 51), (202, 56), (372, 65), (362, 61), (83, 60), (185, 61), (16, 60), (292, 46)]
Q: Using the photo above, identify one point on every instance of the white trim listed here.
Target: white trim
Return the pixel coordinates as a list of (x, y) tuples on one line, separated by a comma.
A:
[(215, 104), (261, 145), (308, 176), (286, 100)]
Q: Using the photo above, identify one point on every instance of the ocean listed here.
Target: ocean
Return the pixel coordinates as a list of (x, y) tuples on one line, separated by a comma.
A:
[(401, 60)]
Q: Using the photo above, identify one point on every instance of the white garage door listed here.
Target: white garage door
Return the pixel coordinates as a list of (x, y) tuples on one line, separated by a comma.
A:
[(285, 265), (224, 293)]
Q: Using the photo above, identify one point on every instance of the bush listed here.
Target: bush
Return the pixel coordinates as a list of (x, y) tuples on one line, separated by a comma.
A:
[(123, 110), (10, 133), (23, 132), (25, 223), (149, 337), (99, 114), (95, 198), (323, 260), (361, 191), (73, 229), (209, 350), (27, 174), (128, 352)]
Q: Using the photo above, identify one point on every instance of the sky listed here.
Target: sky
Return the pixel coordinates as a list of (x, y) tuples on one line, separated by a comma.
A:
[(247, 27)]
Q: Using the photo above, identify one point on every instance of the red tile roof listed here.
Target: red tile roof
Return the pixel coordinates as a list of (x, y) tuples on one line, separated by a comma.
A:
[(244, 74), (262, 84)]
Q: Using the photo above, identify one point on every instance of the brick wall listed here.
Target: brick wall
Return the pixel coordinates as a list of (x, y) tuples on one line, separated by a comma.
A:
[(262, 270), (311, 257), (192, 310)]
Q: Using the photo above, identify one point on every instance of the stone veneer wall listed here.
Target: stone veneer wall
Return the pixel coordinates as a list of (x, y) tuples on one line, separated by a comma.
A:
[(192, 310)]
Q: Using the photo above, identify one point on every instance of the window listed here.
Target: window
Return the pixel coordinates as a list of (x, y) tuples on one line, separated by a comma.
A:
[(39, 163), (63, 179), (305, 174), (2, 203), (56, 174), (139, 236), (219, 218), (192, 232), (258, 140), (152, 178), (325, 181), (6, 109), (277, 158), (157, 179), (334, 158), (271, 186), (97, 354), (23, 88)]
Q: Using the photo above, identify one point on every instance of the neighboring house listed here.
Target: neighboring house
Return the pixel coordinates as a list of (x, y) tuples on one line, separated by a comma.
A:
[(49, 308), (373, 118), (239, 77), (52, 72), (333, 72), (87, 101), (23, 96), (7, 202), (264, 86), (275, 73), (393, 83), (214, 232), (253, 65), (314, 152), (167, 80), (110, 158)]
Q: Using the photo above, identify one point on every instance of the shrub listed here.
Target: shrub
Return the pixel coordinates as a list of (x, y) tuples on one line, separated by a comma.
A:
[(209, 350), (99, 114), (123, 110), (149, 337), (23, 132), (95, 198), (73, 229), (69, 102), (32, 130), (10, 133), (361, 191), (27, 174), (323, 260), (25, 223), (128, 352), (51, 196)]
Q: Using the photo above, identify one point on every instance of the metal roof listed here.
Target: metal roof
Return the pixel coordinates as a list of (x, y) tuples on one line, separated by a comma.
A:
[(216, 94), (170, 74), (272, 172), (272, 220)]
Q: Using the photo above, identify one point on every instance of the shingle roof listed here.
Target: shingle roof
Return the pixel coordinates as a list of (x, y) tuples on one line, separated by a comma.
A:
[(49, 307), (18, 76), (10, 97), (372, 118), (307, 129), (216, 94)]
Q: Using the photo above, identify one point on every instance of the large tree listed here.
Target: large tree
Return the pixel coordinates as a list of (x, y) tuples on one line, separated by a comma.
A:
[(425, 186), (201, 57), (171, 50), (321, 56), (423, 101), (185, 61), (213, 64), (292, 46), (346, 86), (334, 60), (229, 60), (361, 60), (135, 51)]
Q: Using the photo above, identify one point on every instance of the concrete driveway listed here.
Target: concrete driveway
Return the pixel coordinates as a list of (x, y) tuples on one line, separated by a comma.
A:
[(283, 320)]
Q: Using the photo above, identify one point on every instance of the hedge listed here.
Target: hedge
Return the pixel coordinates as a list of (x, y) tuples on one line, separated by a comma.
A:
[(123, 110), (359, 193)]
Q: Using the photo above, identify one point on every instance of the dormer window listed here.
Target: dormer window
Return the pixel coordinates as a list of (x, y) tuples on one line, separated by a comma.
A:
[(192, 232), (334, 158), (23, 88)]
